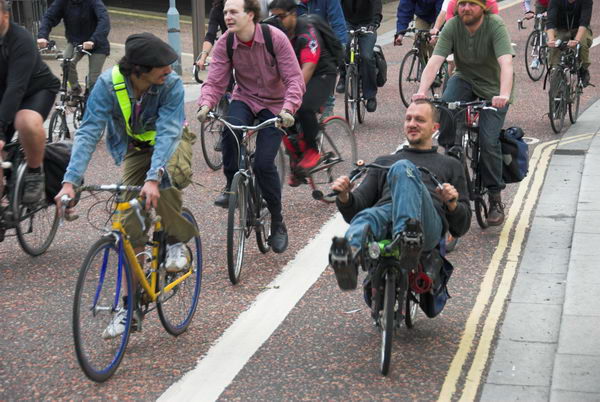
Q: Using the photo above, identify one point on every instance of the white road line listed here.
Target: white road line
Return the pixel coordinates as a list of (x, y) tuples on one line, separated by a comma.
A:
[(230, 353)]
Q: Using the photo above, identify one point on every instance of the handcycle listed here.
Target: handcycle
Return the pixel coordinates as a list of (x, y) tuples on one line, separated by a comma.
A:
[(35, 224), (466, 149), (354, 102), (105, 285), (58, 128), (247, 211), (566, 87), (413, 64), (536, 49)]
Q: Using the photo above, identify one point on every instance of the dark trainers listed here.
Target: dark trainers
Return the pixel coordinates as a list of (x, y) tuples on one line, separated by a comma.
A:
[(341, 86), (496, 210), (223, 199), (585, 77), (371, 105), (33, 190), (343, 264), (279, 237), (411, 244)]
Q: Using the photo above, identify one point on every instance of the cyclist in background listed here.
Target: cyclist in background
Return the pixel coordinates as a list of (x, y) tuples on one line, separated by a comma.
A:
[(364, 13), (424, 13), (402, 198), (27, 92), (216, 21), (569, 20), (541, 7), (318, 69), (266, 86), (86, 23), (484, 69)]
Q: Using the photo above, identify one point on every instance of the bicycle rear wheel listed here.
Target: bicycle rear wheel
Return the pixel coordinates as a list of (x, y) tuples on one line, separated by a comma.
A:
[(557, 96), (100, 294), (575, 98), (237, 227), (412, 307), (387, 322), (410, 76), (176, 308), (337, 146), (351, 96), (58, 129), (36, 223), (533, 51)]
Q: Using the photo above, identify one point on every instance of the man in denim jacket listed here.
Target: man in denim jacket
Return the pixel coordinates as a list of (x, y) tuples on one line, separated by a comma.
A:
[(145, 142)]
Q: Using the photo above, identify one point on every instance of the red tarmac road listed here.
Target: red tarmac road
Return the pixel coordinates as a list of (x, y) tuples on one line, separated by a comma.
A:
[(323, 350)]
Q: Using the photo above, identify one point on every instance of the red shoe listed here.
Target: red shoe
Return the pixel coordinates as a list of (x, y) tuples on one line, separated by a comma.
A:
[(310, 159)]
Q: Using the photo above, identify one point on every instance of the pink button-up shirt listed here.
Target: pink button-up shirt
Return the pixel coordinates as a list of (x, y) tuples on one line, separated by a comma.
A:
[(262, 82)]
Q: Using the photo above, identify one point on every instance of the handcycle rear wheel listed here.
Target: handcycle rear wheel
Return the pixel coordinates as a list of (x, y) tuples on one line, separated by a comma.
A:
[(176, 309), (557, 96), (337, 146), (58, 129), (99, 295), (351, 99), (36, 223), (237, 227), (387, 322), (530, 46)]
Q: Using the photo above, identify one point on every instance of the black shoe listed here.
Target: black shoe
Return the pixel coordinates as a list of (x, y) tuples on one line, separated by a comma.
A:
[(371, 105), (279, 237), (223, 200), (496, 210), (341, 86), (343, 263), (34, 189), (585, 77), (411, 244)]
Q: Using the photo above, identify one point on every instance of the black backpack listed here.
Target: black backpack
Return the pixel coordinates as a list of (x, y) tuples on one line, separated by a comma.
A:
[(327, 35), (515, 155)]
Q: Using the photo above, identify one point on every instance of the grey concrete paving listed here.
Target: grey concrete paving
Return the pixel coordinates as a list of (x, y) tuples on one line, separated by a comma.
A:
[(548, 347)]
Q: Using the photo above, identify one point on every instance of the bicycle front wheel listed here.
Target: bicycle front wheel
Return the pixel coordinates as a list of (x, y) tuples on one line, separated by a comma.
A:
[(387, 322), (575, 99), (176, 307), (557, 96), (351, 96), (100, 296), (337, 146), (58, 129), (410, 76), (36, 223), (237, 227), (534, 62)]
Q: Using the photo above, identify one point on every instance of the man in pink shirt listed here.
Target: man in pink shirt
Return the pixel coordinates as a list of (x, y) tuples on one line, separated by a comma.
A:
[(265, 86)]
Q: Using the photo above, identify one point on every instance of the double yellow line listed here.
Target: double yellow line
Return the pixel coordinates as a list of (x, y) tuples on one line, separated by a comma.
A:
[(518, 218)]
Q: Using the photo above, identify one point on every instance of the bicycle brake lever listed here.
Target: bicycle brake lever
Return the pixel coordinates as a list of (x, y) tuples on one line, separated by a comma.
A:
[(136, 205)]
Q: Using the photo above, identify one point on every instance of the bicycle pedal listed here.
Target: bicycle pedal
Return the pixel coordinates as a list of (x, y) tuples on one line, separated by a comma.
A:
[(340, 254)]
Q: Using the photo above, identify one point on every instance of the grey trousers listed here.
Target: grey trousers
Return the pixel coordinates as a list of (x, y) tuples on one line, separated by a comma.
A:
[(96, 61)]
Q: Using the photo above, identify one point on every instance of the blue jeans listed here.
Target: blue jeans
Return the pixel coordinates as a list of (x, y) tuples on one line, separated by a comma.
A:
[(490, 124), (368, 69), (268, 141), (410, 199)]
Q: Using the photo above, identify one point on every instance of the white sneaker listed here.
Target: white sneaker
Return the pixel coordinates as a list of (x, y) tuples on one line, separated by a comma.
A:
[(535, 64), (178, 257), (117, 325)]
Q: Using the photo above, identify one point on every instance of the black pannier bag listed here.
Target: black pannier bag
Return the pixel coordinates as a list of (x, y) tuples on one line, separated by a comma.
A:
[(56, 160)]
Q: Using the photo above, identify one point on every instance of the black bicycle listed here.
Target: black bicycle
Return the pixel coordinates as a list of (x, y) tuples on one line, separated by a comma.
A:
[(35, 224), (69, 103), (566, 87), (536, 49), (413, 64), (354, 102)]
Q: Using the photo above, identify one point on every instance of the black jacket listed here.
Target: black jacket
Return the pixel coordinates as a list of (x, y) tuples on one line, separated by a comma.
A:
[(303, 37), (362, 12), (563, 15), (374, 189), (85, 20), (22, 72), (216, 21)]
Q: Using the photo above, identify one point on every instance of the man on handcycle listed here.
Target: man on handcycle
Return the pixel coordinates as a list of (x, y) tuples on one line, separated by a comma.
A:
[(27, 92), (319, 70), (484, 69), (140, 102), (403, 201), (268, 82)]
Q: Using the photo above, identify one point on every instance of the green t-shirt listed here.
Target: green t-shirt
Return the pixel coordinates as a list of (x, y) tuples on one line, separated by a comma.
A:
[(476, 56)]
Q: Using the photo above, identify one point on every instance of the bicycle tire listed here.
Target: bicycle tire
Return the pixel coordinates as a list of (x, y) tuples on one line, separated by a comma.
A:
[(530, 47), (351, 97), (412, 307), (387, 322), (337, 145), (556, 100), (481, 212), (575, 99), (99, 358), (262, 226), (190, 288), (58, 129), (407, 75), (37, 224), (361, 108), (237, 227)]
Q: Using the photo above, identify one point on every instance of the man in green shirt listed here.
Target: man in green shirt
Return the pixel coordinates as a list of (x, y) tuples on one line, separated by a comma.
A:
[(484, 69)]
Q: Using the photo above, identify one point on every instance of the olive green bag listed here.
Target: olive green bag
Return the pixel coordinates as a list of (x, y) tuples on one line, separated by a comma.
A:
[(180, 165)]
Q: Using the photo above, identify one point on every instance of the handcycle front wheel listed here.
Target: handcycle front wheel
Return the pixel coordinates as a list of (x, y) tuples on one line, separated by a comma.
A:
[(99, 295), (534, 50), (237, 227), (58, 129), (387, 322), (36, 223), (177, 307)]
